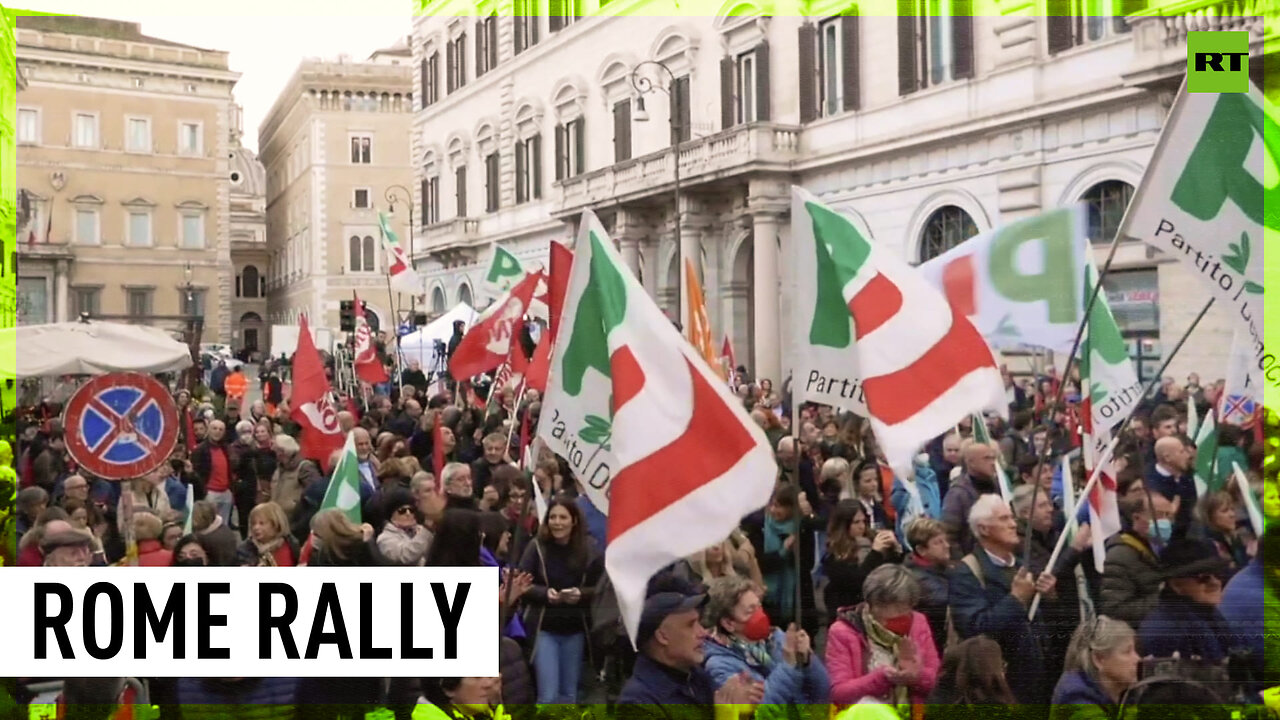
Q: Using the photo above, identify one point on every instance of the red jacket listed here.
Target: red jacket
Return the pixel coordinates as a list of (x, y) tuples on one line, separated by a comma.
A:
[(847, 657), (152, 554)]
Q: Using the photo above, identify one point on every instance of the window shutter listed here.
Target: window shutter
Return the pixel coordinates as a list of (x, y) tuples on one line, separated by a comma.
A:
[(808, 61), (534, 23), (908, 81), (851, 82), (462, 61), (622, 131), (425, 72), (520, 179), (480, 52), (580, 146), (448, 67), (962, 37), (555, 11), (727, 92), (519, 21), (426, 201), (763, 101), (461, 184), (1059, 23), (562, 162), (493, 42), (535, 174)]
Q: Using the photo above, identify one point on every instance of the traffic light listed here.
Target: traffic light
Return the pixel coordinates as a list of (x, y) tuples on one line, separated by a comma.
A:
[(347, 314)]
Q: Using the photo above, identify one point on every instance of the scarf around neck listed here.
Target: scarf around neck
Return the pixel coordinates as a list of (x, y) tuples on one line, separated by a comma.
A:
[(266, 552), (884, 647), (756, 653)]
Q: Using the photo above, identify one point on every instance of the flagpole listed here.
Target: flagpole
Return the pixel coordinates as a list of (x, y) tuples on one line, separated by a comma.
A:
[(488, 402), (515, 411), (1043, 456), (512, 553), (795, 439), (1111, 446)]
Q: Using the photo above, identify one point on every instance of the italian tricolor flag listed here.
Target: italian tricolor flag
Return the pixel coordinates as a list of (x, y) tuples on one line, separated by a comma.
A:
[(875, 337), (656, 438)]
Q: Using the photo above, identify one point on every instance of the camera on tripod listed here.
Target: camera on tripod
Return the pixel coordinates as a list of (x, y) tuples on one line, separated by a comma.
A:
[(439, 348)]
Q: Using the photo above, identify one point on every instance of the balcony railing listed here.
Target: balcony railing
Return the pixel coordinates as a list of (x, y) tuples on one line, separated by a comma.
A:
[(1167, 25), (702, 159)]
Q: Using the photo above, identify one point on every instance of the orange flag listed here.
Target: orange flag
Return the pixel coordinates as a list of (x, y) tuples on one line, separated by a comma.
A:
[(696, 325)]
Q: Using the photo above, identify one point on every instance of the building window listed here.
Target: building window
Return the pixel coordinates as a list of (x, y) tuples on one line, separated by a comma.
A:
[(486, 45), (138, 302), (87, 301), (192, 302), (431, 79), (1106, 203), (360, 199), (138, 138), (362, 254), (86, 130), (829, 62), (829, 67), (361, 150), (431, 200), (192, 231), (460, 190), (28, 126), (935, 43), (189, 138), (1134, 298), (744, 87), (529, 169), (563, 13), (492, 182), (248, 285), (139, 229), (622, 130), (570, 146), (1076, 22), (947, 227), (464, 295), (526, 24), (437, 301), (456, 64), (87, 227)]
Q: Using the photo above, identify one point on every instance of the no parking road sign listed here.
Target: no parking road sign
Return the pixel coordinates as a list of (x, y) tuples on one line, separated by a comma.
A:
[(121, 426)]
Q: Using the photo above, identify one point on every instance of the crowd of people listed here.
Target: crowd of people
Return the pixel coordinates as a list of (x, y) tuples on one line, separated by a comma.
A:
[(854, 590)]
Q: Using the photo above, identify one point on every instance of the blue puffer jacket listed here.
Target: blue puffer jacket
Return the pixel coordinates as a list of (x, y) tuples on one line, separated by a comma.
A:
[(783, 684), (930, 497), (1079, 697)]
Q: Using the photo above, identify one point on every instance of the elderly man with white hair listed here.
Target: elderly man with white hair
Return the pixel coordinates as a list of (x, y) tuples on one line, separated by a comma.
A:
[(991, 593), (293, 474)]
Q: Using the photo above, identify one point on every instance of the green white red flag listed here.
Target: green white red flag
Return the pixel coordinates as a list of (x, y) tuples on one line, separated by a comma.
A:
[(400, 268), (656, 439), (343, 492), (876, 338)]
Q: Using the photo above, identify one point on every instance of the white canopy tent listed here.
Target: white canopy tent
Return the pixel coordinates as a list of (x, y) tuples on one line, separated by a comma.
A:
[(89, 348), (419, 345)]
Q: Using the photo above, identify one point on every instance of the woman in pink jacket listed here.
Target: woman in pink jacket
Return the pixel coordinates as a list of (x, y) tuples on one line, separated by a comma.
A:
[(882, 649)]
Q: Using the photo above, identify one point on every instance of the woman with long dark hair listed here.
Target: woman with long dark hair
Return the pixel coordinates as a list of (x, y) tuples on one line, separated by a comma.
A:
[(565, 568), (851, 556), (457, 540), (973, 674)]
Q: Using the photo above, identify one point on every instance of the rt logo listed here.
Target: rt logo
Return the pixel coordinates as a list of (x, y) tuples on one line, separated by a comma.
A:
[(1218, 62)]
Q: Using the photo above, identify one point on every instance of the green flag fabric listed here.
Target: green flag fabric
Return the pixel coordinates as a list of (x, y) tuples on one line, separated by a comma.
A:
[(344, 486)]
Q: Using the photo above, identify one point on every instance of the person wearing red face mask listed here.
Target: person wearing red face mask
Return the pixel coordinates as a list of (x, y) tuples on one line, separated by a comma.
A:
[(743, 640), (883, 649)]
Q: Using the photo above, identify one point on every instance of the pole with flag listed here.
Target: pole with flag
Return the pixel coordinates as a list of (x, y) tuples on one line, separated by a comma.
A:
[(1206, 471), (697, 326), (1250, 502), (982, 435)]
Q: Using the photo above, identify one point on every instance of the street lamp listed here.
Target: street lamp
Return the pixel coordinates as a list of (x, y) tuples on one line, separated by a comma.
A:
[(643, 86), (391, 198)]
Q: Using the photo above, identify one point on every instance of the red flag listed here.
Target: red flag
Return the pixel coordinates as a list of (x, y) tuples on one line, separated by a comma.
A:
[(558, 283), (488, 343), (313, 408), (368, 367), (726, 352), (437, 451)]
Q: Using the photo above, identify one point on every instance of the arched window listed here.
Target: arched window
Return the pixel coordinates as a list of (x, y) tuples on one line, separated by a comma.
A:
[(1106, 203), (437, 301), (947, 227), (464, 295), (361, 252), (249, 282)]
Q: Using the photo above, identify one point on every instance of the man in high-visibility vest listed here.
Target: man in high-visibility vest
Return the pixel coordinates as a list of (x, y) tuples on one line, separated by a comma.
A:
[(236, 386)]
